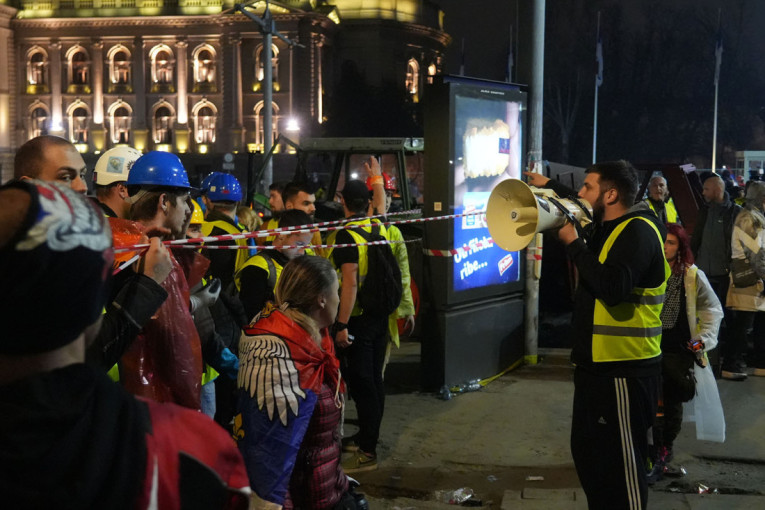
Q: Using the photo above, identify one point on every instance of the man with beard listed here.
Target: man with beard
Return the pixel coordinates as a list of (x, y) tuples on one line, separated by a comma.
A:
[(622, 278), (298, 195)]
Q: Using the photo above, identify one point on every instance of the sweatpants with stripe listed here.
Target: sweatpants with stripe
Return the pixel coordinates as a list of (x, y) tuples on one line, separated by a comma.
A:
[(609, 438)]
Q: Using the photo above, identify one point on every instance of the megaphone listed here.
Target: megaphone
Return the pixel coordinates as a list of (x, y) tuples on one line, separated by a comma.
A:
[(515, 213)]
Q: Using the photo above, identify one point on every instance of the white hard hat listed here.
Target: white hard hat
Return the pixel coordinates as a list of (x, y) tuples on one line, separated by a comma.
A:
[(114, 165)]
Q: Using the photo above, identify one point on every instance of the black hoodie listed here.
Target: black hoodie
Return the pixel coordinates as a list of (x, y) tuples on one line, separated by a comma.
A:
[(70, 438)]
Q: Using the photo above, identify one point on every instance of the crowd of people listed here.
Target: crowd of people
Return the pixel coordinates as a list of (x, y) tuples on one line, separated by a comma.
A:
[(105, 399)]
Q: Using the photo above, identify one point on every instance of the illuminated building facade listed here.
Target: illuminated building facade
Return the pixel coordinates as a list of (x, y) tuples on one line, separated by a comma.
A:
[(186, 75)]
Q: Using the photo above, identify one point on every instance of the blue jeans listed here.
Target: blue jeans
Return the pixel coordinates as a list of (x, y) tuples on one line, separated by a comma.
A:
[(208, 399)]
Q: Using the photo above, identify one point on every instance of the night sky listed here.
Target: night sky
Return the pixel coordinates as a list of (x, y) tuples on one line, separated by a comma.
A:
[(656, 103)]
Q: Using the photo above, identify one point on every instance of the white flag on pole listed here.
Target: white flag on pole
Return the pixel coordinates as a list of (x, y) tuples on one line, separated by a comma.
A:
[(718, 54), (599, 61)]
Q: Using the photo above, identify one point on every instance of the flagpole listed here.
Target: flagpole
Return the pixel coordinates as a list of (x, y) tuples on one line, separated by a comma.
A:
[(714, 133), (462, 62), (718, 61), (598, 79), (510, 61)]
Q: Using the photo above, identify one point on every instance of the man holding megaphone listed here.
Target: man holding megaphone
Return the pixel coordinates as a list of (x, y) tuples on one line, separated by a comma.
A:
[(617, 328)]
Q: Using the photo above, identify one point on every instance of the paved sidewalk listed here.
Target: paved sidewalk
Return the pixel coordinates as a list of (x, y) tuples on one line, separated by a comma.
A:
[(509, 443)]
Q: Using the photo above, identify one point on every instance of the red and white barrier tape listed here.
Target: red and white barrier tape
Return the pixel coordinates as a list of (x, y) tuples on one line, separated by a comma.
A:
[(302, 229), (306, 246)]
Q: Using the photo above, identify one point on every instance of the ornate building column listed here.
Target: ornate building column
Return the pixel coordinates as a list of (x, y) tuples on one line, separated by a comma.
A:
[(140, 131), (237, 131), (97, 132), (319, 81), (8, 61), (182, 113), (56, 106)]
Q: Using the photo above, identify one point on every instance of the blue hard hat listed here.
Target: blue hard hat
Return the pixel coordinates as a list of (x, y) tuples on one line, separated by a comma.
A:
[(223, 188), (158, 168), (205, 185)]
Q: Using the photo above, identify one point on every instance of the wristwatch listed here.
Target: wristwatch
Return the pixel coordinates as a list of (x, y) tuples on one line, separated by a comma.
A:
[(339, 326)]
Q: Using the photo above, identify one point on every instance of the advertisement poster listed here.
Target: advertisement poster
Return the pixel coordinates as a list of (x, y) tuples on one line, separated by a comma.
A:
[(487, 151)]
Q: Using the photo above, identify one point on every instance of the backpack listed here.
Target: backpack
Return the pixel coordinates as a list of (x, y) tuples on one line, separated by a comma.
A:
[(382, 288)]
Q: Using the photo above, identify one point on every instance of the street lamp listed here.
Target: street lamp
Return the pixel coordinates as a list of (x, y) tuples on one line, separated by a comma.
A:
[(267, 28)]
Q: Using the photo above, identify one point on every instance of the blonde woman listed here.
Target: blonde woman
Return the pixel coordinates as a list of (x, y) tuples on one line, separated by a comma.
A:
[(290, 394)]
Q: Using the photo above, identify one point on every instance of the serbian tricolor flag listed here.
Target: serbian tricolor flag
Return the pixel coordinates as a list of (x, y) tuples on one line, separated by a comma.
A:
[(281, 371)]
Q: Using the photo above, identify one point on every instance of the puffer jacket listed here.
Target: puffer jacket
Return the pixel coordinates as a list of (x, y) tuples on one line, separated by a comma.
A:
[(748, 242), (318, 480)]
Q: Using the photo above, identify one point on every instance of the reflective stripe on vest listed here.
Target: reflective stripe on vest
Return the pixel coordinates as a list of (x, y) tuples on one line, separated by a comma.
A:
[(363, 259), (630, 330), (241, 255)]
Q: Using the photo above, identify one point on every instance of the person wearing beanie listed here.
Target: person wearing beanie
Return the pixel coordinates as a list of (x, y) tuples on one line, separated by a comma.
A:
[(69, 437), (747, 244)]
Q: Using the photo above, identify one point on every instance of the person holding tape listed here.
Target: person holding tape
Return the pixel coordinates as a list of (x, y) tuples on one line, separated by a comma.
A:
[(617, 328)]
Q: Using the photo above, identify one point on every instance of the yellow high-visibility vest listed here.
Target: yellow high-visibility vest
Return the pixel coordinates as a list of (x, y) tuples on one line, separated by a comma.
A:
[(241, 255), (630, 330), (669, 207), (363, 258)]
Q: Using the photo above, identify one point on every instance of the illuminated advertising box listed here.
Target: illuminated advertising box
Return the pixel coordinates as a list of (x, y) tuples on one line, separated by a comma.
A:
[(487, 150), (474, 136)]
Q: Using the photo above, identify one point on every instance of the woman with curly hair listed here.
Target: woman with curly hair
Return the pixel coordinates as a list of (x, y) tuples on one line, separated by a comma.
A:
[(690, 319)]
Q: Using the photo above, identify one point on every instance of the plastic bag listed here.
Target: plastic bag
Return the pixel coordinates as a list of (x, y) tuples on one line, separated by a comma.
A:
[(164, 363), (126, 233), (706, 409)]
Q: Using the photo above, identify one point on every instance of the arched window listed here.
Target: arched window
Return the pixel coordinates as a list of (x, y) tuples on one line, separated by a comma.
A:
[(120, 119), (260, 125), (162, 123), (259, 70), (37, 65), (204, 64), (78, 66), (119, 65), (79, 118), (205, 114), (38, 120), (162, 65), (413, 78)]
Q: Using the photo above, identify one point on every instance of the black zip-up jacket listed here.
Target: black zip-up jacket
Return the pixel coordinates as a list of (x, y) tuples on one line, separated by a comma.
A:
[(731, 210), (636, 259)]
